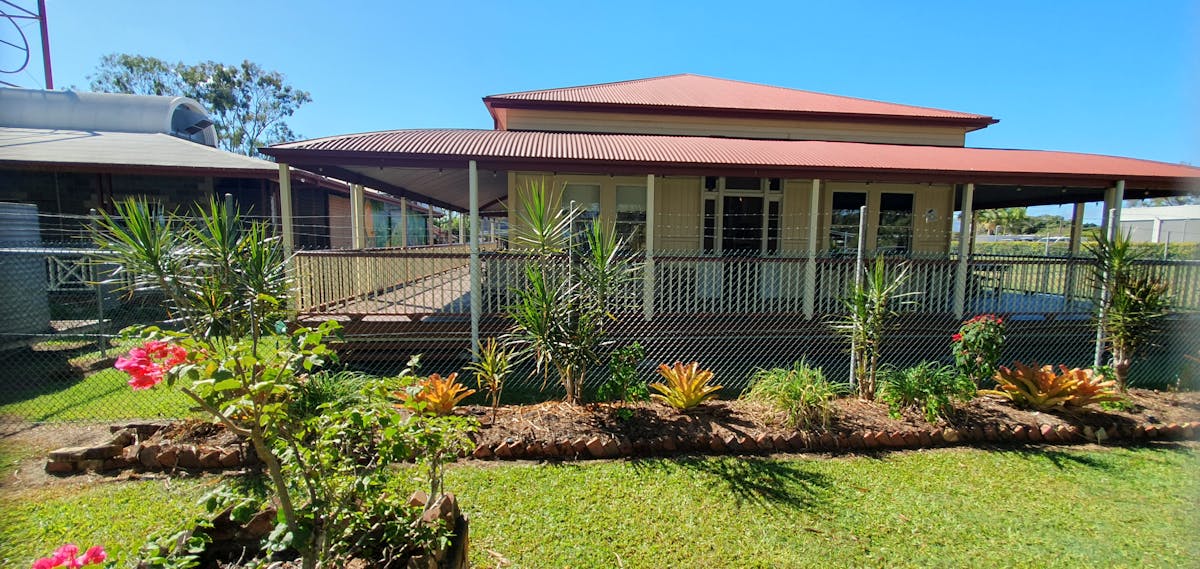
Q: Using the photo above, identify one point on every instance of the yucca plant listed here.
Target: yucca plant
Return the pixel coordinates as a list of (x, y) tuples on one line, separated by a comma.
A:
[(870, 306), (928, 387), (1133, 300), (1042, 388), (686, 387), (491, 366), (435, 394), (802, 392)]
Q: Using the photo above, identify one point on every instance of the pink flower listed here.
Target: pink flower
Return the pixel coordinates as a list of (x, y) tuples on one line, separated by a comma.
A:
[(141, 364), (66, 556), (956, 337)]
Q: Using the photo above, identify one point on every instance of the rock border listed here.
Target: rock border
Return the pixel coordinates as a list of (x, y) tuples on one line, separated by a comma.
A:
[(126, 450)]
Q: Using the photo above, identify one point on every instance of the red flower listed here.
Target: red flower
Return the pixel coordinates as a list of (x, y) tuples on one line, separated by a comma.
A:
[(65, 556), (956, 337)]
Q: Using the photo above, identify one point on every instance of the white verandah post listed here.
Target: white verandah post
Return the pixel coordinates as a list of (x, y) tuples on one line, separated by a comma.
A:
[(476, 278), (810, 267), (404, 222), (1073, 251), (648, 280), (1111, 228), (358, 225), (965, 230)]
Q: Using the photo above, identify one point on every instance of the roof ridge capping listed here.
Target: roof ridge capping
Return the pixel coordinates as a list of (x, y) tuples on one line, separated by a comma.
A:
[(713, 94)]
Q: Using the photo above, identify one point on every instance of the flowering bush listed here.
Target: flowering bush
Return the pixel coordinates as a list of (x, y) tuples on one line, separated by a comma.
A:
[(67, 556), (147, 364), (977, 346)]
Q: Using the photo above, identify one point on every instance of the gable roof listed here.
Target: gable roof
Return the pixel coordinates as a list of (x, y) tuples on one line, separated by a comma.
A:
[(697, 94)]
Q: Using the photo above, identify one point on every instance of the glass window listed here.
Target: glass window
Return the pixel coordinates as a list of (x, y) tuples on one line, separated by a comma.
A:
[(743, 224), (843, 225), (743, 183), (772, 227), (631, 216), (587, 203), (895, 224)]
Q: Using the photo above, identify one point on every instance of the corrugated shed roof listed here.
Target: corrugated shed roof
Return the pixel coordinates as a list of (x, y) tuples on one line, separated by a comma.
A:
[(124, 149), (700, 92), (395, 147)]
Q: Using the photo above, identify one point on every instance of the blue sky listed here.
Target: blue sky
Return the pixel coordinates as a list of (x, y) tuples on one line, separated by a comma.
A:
[(1106, 77)]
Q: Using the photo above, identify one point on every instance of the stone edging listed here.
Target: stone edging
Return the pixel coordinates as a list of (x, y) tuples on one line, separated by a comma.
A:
[(598, 447), (125, 450)]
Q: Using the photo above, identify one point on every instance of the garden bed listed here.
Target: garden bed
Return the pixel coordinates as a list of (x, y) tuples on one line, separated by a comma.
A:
[(557, 430)]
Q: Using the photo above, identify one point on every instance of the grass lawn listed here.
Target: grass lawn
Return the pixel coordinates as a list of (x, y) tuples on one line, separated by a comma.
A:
[(102, 396), (944, 508)]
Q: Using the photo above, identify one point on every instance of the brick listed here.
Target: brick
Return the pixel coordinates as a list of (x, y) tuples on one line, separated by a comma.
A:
[(60, 467)]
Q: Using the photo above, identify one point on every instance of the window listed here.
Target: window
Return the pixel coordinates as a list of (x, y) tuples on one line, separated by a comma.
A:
[(895, 224), (710, 226), (587, 203), (631, 216), (846, 216), (743, 225), (773, 227)]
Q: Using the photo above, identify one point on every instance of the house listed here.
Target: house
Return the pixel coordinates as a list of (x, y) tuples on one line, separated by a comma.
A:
[(743, 200), (1162, 224), (70, 152)]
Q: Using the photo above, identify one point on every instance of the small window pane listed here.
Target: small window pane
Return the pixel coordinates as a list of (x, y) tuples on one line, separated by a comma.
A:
[(772, 227), (743, 183), (895, 224), (587, 203), (710, 226), (631, 216)]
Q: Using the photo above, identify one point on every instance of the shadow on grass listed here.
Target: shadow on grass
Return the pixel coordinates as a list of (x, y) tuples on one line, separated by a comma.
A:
[(760, 481)]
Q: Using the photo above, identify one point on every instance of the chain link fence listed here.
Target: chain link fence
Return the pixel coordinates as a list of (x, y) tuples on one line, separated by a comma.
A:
[(734, 311)]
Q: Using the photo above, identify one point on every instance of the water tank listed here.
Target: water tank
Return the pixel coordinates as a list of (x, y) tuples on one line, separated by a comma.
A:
[(24, 306)]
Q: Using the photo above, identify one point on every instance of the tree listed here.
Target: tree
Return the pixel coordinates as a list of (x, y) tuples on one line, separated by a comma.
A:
[(248, 104)]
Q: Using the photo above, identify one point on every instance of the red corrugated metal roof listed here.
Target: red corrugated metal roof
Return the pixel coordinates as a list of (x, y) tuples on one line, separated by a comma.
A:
[(700, 92), (394, 148)]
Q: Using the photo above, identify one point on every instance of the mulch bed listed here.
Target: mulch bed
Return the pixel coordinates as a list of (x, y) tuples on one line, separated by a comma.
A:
[(555, 430)]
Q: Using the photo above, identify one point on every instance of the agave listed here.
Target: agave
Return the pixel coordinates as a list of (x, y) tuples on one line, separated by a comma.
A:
[(686, 387), (435, 394), (1042, 388)]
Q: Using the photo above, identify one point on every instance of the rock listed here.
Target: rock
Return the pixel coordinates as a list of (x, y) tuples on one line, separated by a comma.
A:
[(168, 457), (503, 450), (951, 435), (124, 437), (143, 429), (115, 463), (231, 458), (764, 442), (796, 442), (924, 438), (482, 452), (855, 441), (911, 439), (991, 433), (579, 446), (1151, 432), (148, 456), (60, 467), (1047, 433), (68, 454), (210, 458), (1020, 434), (131, 452), (935, 436), (186, 457), (1101, 435), (93, 464), (1035, 434), (1089, 432), (418, 499), (624, 447), (827, 441)]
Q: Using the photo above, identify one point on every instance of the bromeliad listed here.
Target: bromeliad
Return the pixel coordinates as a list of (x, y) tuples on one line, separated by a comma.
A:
[(686, 387)]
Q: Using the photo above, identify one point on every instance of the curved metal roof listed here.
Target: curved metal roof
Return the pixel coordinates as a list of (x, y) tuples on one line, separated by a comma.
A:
[(106, 112)]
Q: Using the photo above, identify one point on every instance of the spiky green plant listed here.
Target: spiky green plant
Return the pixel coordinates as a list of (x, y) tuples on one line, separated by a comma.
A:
[(491, 365), (1132, 302), (870, 305), (928, 387)]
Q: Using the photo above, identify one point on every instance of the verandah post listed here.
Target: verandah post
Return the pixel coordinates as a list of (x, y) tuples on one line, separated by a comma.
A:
[(1110, 228), (358, 227), (289, 244), (858, 281), (404, 222), (965, 230), (476, 287), (648, 280), (810, 267)]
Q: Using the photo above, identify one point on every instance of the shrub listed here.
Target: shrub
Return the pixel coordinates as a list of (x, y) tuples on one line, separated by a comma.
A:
[(1042, 389), (327, 389), (977, 346), (686, 387), (801, 392), (622, 384), (870, 305), (435, 394), (929, 387), (491, 366)]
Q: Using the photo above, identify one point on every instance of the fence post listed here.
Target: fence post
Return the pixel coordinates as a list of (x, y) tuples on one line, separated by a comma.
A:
[(476, 278), (648, 281), (965, 231), (101, 340)]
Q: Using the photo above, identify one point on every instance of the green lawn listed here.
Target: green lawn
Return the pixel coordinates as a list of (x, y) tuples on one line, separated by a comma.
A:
[(102, 396), (946, 508)]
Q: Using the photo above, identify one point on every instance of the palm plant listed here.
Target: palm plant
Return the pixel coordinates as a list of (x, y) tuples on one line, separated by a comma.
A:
[(559, 317), (1132, 300), (869, 306)]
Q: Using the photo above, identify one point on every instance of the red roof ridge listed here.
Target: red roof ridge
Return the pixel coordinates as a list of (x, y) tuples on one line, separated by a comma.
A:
[(590, 85)]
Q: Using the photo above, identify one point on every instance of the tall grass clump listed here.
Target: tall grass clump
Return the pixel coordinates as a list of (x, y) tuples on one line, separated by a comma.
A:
[(801, 392), (928, 387)]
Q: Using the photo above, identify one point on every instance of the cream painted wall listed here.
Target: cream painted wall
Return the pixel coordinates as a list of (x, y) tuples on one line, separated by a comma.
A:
[(628, 123)]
